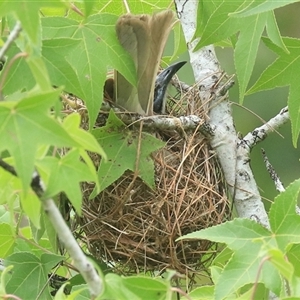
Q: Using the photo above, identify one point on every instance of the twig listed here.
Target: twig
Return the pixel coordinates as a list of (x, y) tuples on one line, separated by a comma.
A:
[(81, 262), (185, 123), (260, 133), (180, 85), (12, 36), (7, 167), (278, 184), (151, 123), (76, 9), (162, 122)]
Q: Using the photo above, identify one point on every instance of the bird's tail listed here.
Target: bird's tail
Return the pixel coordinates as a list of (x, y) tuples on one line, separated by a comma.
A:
[(144, 37)]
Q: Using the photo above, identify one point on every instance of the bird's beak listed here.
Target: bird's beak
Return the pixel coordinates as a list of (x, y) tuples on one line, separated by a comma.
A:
[(161, 84), (164, 78)]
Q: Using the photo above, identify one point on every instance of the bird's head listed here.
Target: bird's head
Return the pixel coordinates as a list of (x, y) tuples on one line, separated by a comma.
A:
[(161, 84)]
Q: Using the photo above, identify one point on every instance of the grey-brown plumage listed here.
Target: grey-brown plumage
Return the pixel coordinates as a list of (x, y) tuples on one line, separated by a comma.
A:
[(144, 37)]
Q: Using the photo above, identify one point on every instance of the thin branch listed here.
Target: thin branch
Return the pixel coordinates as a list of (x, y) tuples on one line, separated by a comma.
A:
[(65, 235), (180, 85), (8, 167), (81, 262), (278, 184), (213, 85), (12, 36), (76, 10), (260, 133), (152, 123), (180, 124)]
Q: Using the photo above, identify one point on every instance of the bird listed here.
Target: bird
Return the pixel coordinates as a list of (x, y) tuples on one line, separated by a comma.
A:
[(144, 37)]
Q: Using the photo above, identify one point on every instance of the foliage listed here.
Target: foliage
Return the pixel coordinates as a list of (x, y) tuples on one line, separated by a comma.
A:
[(72, 49), (223, 19), (258, 255), (121, 146)]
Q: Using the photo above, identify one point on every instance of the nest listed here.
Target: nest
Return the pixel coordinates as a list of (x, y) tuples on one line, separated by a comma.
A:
[(134, 228)]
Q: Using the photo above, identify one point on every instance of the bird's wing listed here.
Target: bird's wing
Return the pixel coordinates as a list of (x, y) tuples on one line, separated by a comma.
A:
[(144, 37), (133, 34), (160, 26)]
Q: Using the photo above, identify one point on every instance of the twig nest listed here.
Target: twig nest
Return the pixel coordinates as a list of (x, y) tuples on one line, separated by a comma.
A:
[(135, 228)]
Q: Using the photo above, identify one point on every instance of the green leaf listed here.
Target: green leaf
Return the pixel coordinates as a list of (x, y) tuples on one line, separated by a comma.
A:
[(284, 221), (4, 215), (279, 261), (36, 280), (273, 32), (10, 187), (61, 72), (31, 205), (223, 257), (121, 146), (135, 7), (51, 233), (215, 273), (294, 258), (287, 269), (220, 25), (37, 232), (25, 125), (251, 291), (79, 292), (65, 174), (87, 142), (98, 49), (203, 293), (246, 50), (39, 71), (7, 240), (255, 248), (3, 279), (85, 139), (246, 260), (179, 42), (19, 76), (28, 13), (136, 288), (145, 287), (114, 289), (282, 73), (60, 295), (88, 7), (261, 6)]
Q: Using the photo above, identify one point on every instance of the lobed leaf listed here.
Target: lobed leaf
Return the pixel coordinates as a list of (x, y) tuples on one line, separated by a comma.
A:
[(97, 49), (282, 73), (30, 274), (121, 146), (261, 6), (26, 124), (221, 25)]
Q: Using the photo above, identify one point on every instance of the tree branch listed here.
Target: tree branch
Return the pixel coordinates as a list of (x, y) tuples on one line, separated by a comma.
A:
[(278, 184), (12, 36), (211, 80), (65, 235), (260, 133)]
